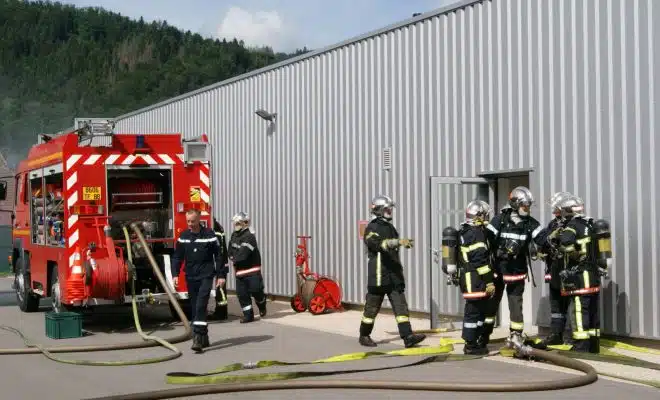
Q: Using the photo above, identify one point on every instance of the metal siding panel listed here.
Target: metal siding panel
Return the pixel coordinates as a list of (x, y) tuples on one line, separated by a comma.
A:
[(453, 94)]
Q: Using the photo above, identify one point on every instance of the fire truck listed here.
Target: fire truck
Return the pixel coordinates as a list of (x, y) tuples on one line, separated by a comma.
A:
[(76, 191)]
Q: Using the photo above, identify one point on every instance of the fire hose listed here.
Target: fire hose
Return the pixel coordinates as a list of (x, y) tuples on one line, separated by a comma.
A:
[(147, 340)]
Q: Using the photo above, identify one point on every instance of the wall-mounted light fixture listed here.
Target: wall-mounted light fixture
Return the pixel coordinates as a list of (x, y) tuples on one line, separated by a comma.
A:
[(269, 117)]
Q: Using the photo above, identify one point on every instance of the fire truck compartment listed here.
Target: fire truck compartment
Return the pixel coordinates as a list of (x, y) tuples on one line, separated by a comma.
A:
[(143, 196)]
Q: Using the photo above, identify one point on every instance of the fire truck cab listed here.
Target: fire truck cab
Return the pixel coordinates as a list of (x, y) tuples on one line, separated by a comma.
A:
[(76, 191)]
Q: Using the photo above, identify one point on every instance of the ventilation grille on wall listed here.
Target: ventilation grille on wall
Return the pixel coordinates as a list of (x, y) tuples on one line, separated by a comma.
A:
[(387, 158)]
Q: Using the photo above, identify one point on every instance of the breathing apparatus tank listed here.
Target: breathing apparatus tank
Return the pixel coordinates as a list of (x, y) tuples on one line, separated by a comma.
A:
[(450, 253), (603, 237)]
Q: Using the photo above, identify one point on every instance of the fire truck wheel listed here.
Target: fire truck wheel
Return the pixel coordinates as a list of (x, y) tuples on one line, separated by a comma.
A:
[(185, 305), (27, 301)]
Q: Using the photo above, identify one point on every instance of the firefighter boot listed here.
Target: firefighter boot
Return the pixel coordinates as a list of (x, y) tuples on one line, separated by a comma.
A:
[(248, 316), (262, 308), (205, 341), (551, 340), (594, 345), (413, 339), (197, 343), (367, 341), (475, 348), (482, 341)]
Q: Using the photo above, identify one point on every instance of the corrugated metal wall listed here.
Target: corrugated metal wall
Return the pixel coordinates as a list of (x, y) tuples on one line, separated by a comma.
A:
[(563, 87)]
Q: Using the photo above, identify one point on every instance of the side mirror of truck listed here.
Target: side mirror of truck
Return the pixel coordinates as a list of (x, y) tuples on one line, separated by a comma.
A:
[(3, 190)]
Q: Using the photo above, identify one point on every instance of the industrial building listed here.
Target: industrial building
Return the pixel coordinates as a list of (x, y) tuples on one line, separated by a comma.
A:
[(467, 101)]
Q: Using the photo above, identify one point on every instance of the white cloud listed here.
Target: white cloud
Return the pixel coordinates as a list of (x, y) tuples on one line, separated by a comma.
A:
[(261, 28)]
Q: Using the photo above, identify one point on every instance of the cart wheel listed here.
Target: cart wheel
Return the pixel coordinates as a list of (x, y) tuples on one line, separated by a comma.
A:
[(317, 305), (297, 304)]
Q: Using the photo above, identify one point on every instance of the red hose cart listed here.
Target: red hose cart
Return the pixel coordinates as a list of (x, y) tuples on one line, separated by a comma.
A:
[(316, 293)]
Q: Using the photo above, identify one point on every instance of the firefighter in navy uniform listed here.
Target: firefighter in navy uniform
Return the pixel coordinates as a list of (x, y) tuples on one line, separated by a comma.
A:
[(510, 236), (198, 248), (244, 254), (586, 245), (221, 307), (475, 277), (554, 264), (385, 274)]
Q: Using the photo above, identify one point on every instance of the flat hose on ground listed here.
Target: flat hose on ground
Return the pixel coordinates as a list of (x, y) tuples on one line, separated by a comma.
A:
[(148, 341), (574, 381)]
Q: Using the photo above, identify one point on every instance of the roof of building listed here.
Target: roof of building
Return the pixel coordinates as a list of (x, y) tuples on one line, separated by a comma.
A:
[(428, 15)]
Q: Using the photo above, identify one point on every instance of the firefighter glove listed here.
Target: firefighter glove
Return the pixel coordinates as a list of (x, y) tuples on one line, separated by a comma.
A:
[(490, 289), (407, 243), (603, 272), (391, 243)]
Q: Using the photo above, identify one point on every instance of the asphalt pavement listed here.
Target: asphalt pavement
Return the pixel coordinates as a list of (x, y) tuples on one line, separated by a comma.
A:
[(34, 376)]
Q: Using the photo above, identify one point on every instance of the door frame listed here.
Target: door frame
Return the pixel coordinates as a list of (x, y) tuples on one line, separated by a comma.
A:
[(435, 271)]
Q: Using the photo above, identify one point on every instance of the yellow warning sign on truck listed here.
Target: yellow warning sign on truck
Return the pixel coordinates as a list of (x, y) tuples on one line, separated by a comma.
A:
[(195, 194), (91, 192)]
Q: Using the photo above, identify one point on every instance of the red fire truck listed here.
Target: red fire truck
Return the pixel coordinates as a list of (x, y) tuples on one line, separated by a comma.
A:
[(74, 193)]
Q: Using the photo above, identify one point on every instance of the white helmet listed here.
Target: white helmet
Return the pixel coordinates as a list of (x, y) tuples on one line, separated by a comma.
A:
[(521, 200), (240, 220), (570, 207), (477, 212), (382, 206), (556, 199)]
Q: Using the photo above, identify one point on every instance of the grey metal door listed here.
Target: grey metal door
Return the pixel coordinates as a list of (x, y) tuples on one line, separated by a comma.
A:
[(449, 196)]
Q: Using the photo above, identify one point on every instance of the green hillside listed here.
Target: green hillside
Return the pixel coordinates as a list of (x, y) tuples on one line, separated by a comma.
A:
[(58, 62)]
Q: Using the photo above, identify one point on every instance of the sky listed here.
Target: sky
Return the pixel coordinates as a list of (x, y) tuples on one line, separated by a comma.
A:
[(283, 25)]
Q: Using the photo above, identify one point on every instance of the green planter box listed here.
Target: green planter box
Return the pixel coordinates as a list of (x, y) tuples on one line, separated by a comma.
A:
[(64, 325)]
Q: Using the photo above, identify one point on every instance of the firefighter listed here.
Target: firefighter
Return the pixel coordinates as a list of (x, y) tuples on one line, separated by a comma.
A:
[(221, 308), (385, 273), (510, 235), (198, 248), (244, 254), (476, 275), (554, 264), (586, 246)]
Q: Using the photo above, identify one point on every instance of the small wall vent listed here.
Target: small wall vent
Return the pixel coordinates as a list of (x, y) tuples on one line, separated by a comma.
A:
[(387, 158)]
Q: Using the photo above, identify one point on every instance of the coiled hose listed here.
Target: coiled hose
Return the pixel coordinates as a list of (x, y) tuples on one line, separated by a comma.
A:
[(148, 341)]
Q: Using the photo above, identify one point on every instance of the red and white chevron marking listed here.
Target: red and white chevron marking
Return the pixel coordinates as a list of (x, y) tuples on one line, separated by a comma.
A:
[(71, 186)]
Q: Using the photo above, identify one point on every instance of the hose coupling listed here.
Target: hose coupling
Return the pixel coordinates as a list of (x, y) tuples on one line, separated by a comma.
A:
[(250, 365)]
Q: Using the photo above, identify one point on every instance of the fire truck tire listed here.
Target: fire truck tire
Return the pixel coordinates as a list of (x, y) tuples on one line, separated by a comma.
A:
[(27, 301)]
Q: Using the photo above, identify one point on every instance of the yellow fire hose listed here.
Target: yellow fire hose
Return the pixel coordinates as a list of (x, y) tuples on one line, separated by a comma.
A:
[(147, 340)]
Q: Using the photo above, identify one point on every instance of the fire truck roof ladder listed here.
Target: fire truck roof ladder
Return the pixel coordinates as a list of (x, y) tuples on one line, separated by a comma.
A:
[(89, 129)]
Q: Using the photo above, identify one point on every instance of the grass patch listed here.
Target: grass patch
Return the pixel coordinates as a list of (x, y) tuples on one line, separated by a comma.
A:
[(4, 274)]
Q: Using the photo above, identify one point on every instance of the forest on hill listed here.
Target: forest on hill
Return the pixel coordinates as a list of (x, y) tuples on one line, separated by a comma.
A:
[(58, 62)]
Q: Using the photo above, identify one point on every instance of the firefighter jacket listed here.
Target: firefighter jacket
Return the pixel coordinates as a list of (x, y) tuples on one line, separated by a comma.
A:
[(384, 267), (581, 274), (200, 252), (510, 236), (223, 262), (244, 253), (476, 272), (549, 252)]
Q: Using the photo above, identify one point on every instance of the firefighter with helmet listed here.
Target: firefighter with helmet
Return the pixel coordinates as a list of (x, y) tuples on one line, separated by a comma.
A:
[(245, 256), (198, 247), (511, 234), (385, 273), (554, 264), (221, 309), (587, 249), (476, 276)]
